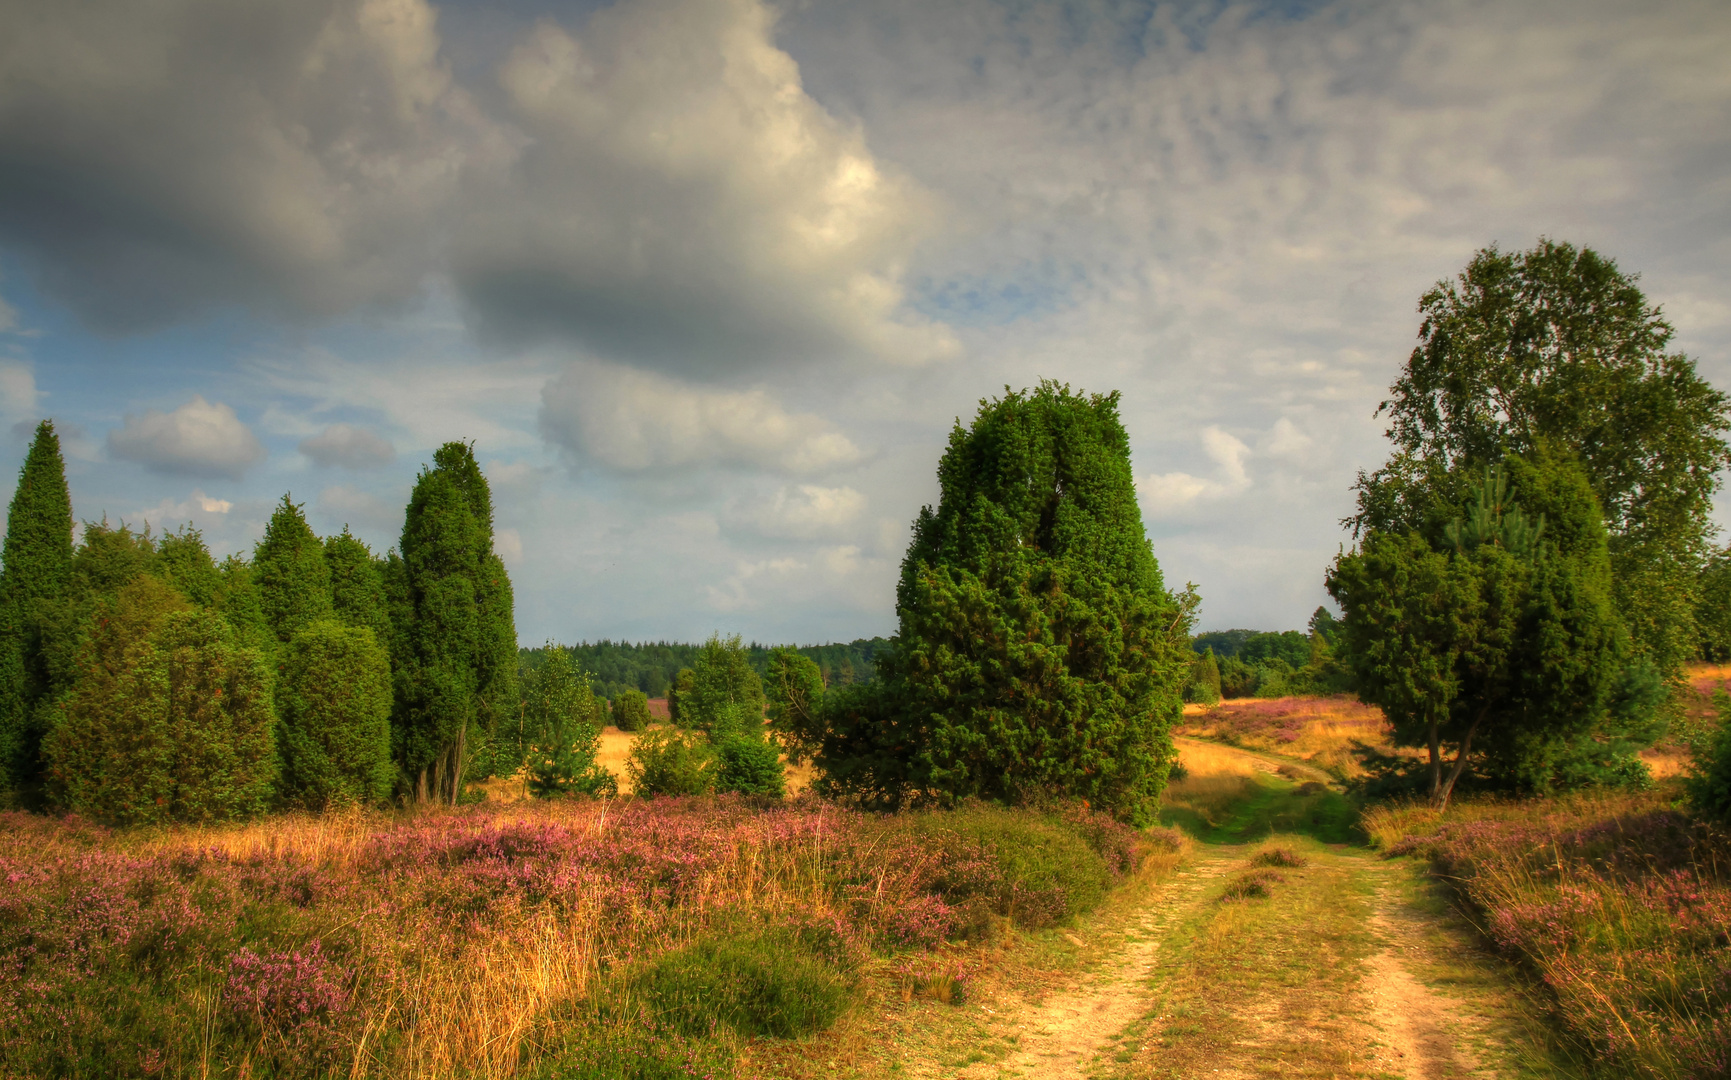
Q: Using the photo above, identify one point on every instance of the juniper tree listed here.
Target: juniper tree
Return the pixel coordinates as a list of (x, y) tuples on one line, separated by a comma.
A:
[(357, 585), (170, 720), (288, 566), (1490, 630), (35, 575), (334, 700), (456, 638), (1039, 650)]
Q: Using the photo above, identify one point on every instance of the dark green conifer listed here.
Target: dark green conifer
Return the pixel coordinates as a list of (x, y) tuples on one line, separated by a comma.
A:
[(1039, 650), (36, 576), (334, 697), (184, 561), (288, 566), (358, 585), (457, 680)]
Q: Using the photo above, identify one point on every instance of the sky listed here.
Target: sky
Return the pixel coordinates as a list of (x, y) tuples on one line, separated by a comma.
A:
[(708, 282)]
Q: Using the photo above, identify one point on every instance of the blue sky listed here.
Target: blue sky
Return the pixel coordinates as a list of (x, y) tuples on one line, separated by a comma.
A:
[(707, 281)]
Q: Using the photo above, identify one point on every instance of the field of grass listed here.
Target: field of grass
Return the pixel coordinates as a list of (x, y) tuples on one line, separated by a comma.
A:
[(570, 939), (1617, 903), (1227, 797)]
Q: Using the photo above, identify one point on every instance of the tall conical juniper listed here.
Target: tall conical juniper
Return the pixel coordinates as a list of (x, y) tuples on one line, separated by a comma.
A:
[(37, 570), (1039, 651)]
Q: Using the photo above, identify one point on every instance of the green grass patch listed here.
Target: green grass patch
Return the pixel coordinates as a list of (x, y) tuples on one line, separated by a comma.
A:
[(774, 981), (1245, 809)]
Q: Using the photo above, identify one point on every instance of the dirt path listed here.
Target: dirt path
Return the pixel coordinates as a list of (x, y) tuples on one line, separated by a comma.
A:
[(1063, 1036), (1346, 968)]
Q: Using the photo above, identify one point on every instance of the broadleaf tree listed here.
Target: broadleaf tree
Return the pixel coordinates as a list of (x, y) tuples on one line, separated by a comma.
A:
[(1557, 344)]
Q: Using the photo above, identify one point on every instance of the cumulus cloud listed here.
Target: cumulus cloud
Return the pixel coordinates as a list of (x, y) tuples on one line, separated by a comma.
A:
[(171, 513), (681, 202), (290, 154), (799, 512), (636, 421), (18, 393), (348, 446), (1167, 491), (201, 438)]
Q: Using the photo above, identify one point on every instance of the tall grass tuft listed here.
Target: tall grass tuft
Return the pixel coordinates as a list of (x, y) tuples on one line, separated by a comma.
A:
[(1619, 903)]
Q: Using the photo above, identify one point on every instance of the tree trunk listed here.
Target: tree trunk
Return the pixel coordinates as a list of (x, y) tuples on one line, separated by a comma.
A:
[(1435, 761), (1461, 760)]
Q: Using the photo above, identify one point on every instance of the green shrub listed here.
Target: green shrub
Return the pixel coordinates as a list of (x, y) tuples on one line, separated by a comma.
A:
[(768, 981), (1710, 785), (631, 711), (750, 766), (334, 702), (622, 1048), (669, 761), (169, 721), (1011, 863), (1203, 686)]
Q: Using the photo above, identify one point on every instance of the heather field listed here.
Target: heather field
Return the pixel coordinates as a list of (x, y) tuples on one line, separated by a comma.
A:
[(1618, 904), (566, 939)]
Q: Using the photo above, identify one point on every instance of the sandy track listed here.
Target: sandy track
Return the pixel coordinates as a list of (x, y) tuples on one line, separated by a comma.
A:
[(1064, 1034)]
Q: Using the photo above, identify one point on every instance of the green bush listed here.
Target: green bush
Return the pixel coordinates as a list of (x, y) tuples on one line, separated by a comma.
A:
[(169, 721), (1710, 785), (1203, 687), (722, 682), (669, 761), (771, 981), (334, 701), (1011, 863), (631, 711), (749, 765)]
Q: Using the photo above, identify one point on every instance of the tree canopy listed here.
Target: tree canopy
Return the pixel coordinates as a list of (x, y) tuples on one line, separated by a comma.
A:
[(1494, 625), (1039, 650), (1558, 345)]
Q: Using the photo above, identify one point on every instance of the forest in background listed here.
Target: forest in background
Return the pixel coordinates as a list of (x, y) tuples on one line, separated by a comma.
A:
[(653, 667)]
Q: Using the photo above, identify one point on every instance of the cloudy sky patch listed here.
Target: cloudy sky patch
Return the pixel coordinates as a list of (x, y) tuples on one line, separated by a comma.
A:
[(706, 282)]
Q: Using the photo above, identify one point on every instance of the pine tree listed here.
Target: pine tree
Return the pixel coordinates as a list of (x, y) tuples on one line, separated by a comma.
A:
[(458, 668), (288, 566), (35, 575)]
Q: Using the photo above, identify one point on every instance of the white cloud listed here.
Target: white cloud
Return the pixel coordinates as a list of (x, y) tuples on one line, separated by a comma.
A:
[(635, 421), (200, 438), (508, 545), (1168, 491), (344, 505), (348, 446), (197, 509), (681, 202), (19, 396), (799, 512)]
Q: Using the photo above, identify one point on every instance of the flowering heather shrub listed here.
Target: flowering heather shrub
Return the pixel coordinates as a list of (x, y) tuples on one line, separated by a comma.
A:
[(293, 999), (1620, 904), (478, 941)]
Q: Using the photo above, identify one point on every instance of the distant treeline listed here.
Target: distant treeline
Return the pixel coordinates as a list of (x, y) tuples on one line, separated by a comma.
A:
[(652, 666), (1267, 663)]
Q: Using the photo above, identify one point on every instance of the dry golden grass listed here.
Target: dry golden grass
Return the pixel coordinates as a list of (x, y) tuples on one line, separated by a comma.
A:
[(615, 749), (1321, 730)]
